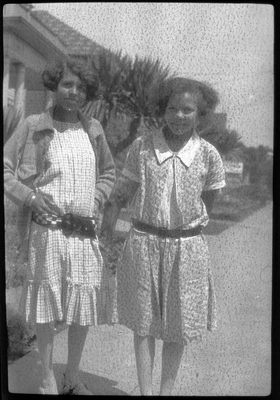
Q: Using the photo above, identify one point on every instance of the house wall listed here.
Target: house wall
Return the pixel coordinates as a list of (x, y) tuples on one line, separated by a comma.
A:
[(23, 65), (28, 46), (18, 50), (34, 102)]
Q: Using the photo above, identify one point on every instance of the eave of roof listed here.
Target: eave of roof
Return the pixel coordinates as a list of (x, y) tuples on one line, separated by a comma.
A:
[(76, 43)]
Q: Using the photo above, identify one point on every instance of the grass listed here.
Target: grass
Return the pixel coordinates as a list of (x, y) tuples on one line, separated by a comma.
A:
[(233, 206)]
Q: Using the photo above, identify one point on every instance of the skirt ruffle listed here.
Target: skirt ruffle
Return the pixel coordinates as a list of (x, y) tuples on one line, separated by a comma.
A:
[(68, 302)]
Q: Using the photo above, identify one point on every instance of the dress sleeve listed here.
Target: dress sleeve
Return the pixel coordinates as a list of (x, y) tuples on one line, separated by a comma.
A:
[(106, 169), (216, 174), (15, 190)]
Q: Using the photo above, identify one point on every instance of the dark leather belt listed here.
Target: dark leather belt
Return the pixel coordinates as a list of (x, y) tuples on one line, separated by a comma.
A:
[(162, 232), (68, 223)]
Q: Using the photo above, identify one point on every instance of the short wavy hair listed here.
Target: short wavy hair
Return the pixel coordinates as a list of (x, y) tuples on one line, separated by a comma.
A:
[(207, 98), (53, 74)]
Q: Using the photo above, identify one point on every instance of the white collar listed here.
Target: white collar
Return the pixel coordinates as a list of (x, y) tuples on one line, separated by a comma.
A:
[(186, 154)]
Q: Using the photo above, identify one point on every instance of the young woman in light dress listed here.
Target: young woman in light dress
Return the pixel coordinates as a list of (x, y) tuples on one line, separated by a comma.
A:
[(169, 182), (59, 171)]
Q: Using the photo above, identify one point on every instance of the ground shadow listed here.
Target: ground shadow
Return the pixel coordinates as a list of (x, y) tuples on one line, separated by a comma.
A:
[(215, 227), (97, 384)]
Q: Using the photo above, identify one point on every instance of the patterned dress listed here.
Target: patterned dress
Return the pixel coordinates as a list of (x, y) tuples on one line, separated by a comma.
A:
[(165, 285), (65, 274)]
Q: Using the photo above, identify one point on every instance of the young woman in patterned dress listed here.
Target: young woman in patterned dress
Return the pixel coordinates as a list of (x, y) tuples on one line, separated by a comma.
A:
[(58, 163), (170, 180)]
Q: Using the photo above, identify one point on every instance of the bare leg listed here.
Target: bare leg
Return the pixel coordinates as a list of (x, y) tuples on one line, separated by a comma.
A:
[(144, 347), (171, 359), (45, 337), (77, 335)]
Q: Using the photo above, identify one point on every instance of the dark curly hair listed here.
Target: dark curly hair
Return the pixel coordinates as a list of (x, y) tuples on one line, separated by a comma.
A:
[(53, 74), (207, 98)]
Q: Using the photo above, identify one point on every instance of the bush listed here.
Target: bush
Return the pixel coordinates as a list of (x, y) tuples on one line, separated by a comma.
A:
[(21, 335), (236, 204), (14, 270)]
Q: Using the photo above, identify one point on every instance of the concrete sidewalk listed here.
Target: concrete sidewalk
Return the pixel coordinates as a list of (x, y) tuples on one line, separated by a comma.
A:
[(234, 361)]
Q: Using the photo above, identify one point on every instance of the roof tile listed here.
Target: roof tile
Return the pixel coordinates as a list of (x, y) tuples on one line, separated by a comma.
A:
[(76, 43)]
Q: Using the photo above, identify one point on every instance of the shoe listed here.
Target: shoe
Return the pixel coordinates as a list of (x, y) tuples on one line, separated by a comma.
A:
[(49, 388), (74, 389)]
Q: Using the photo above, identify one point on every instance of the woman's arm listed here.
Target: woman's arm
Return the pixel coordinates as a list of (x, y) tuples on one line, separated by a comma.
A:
[(22, 193), (208, 198), (215, 179), (123, 192)]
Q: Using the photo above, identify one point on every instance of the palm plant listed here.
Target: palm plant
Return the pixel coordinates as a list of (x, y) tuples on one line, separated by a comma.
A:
[(110, 69), (142, 75), (12, 118), (124, 90)]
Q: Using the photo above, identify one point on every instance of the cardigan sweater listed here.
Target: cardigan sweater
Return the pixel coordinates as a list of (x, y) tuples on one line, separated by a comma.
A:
[(25, 162)]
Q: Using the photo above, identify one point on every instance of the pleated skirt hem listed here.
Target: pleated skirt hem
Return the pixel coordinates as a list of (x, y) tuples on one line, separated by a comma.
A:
[(68, 302)]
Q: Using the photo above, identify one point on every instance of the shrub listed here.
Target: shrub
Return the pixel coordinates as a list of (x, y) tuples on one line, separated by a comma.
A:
[(236, 204), (14, 271), (21, 335)]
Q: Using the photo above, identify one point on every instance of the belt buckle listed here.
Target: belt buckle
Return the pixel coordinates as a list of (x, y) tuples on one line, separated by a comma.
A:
[(89, 229), (67, 224)]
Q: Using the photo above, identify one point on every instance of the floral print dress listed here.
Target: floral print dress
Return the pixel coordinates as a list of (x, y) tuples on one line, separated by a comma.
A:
[(165, 285)]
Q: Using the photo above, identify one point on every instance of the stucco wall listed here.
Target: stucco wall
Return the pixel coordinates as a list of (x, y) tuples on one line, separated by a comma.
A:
[(18, 49), (34, 102)]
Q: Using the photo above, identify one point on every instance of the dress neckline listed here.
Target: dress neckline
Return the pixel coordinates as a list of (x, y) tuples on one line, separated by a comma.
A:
[(64, 126)]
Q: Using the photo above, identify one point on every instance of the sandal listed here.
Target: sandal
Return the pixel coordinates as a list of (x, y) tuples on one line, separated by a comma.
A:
[(77, 388), (49, 388)]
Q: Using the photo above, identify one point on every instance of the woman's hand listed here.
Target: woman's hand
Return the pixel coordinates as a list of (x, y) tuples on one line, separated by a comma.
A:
[(96, 211), (43, 205), (110, 218), (208, 198)]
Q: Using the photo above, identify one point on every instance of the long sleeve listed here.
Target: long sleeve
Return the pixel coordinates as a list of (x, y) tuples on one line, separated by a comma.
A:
[(106, 171), (15, 190)]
